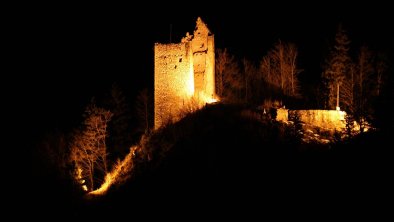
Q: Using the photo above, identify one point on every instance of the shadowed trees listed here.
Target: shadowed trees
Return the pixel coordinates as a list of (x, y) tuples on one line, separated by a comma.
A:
[(336, 69), (143, 111), (381, 68), (246, 82), (353, 84), (364, 86), (250, 74), (119, 128), (279, 68), (228, 76)]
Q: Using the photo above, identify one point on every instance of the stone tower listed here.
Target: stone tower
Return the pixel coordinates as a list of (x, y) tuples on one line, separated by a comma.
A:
[(184, 71)]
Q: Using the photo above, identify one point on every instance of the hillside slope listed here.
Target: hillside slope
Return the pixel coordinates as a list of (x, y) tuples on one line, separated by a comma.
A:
[(221, 161), (219, 157)]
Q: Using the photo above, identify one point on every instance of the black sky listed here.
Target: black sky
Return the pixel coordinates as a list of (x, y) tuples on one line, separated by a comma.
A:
[(79, 51)]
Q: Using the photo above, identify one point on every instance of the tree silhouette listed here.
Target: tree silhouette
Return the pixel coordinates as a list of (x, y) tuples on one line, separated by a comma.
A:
[(381, 67), (120, 125), (250, 75), (348, 87), (279, 68), (143, 109), (336, 68), (228, 78), (364, 84)]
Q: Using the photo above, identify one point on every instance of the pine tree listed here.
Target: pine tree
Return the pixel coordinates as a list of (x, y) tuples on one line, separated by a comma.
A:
[(364, 89), (336, 69)]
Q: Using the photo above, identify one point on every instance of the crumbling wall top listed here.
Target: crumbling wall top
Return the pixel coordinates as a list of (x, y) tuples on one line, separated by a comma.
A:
[(201, 27), (201, 31)]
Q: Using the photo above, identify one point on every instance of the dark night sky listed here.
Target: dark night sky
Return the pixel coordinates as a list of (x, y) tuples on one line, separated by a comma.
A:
[(79, 51)]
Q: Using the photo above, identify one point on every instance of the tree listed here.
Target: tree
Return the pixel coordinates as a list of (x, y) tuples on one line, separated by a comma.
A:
[(383, 99), (250, 75), (279, 68), (292, 72), (364, 90), (266, 68), (222, 61), (54, 150), (364, 71), (83, 156), (143, 109), (348, 90), (380, 69), (278, 54), (120, 125), (336, 68), (88, 151), (264, 75), (228, 78)]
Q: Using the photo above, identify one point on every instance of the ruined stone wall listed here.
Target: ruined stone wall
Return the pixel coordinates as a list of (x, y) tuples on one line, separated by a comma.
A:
[(282, 114), (330, 120), (183, 71), (210, 69), (173, 80), (203, 48)]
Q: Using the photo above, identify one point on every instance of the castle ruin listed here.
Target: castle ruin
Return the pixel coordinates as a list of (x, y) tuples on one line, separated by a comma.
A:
[(184, 71)]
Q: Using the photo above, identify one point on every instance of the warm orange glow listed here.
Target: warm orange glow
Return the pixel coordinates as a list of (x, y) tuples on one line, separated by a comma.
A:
[(212, 100), (78, 178), (104, 187), (121, 169), (206, 99)]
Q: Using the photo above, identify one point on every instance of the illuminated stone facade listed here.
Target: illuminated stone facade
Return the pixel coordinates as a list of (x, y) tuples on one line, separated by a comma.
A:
[(184, 71)]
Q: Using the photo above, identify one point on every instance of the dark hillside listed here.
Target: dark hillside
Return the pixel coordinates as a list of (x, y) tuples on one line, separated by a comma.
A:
[(219, 158)]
